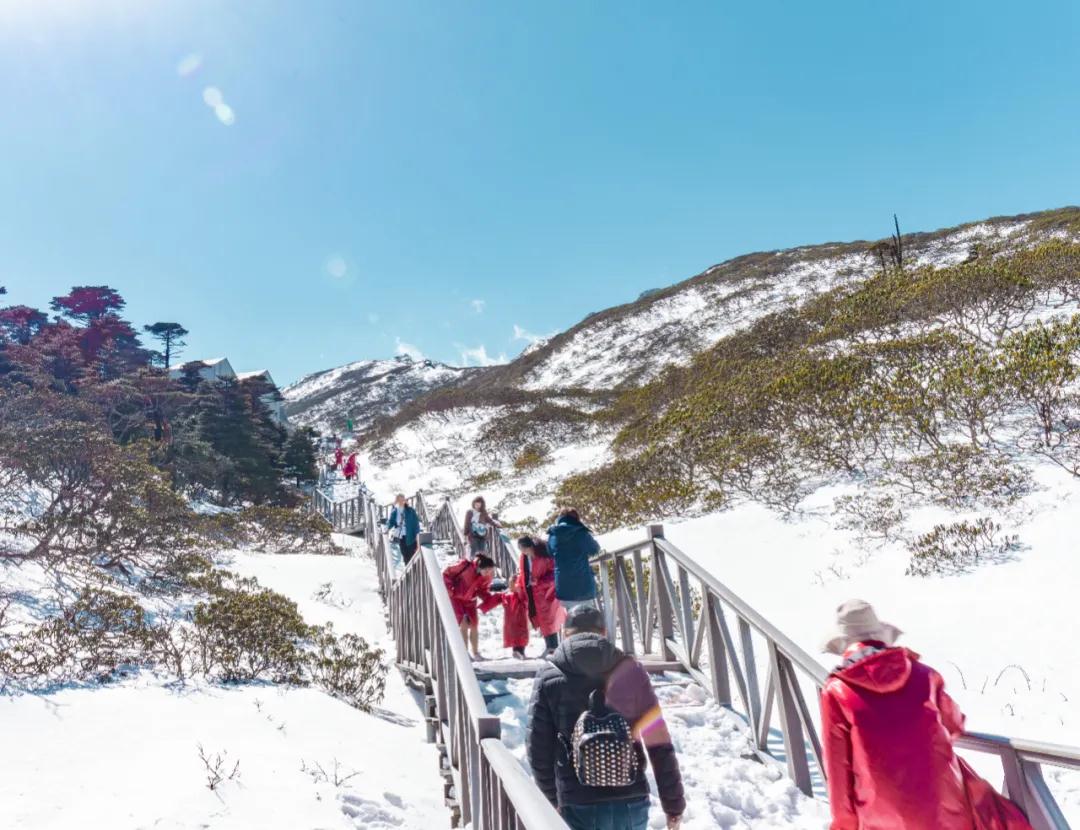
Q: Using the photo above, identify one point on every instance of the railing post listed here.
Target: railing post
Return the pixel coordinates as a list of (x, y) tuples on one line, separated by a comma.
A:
[(664, 607)]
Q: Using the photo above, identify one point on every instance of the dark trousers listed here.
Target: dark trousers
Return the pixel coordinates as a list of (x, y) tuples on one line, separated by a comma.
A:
[(551, 640), (407, 550), (618, 815)]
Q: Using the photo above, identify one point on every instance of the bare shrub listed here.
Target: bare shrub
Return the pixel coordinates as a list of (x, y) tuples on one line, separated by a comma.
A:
[(217, 769)]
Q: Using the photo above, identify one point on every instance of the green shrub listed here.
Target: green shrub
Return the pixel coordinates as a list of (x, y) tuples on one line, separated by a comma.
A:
[(481, 480), (93, 638), (530, 457), (958, 547), (244, 635), (348, 668)]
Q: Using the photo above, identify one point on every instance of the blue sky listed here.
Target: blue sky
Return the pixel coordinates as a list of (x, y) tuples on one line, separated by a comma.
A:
[(303, 184)]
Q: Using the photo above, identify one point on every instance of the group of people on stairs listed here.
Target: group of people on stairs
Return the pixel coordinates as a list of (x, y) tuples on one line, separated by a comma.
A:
[(594, 722)]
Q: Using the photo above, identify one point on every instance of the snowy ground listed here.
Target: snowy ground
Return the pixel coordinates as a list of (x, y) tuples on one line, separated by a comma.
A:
[(126, 755), (723, 788), (1004, 636)]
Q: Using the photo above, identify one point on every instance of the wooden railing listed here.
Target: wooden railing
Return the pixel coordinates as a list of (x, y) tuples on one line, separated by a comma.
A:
[(345, 516), (486, 786), (660, 604), (445, 528)]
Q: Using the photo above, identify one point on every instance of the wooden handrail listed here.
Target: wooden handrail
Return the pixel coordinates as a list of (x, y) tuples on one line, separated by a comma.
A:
[(659, 603)]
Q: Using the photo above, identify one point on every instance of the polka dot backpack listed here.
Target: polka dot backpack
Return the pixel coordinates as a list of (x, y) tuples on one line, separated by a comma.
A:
[(604, 751)]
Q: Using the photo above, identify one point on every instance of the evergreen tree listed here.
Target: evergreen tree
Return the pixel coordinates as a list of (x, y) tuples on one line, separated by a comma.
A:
[(171, 336), (300, 457)]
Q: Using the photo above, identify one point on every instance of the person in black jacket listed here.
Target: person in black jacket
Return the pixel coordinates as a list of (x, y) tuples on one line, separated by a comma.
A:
[(584, 662)]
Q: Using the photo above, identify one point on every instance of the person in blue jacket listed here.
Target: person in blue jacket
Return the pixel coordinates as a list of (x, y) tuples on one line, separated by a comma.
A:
[(404, 526), (571, 543)]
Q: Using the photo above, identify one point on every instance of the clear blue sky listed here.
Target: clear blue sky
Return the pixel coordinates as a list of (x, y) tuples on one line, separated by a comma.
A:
[(364, 171)]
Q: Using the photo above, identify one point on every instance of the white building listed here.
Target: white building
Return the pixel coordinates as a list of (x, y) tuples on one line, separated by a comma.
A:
[(219, 369), (216, 368)]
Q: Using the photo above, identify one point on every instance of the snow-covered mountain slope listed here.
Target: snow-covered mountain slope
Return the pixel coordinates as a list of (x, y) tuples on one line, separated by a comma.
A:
[(630, 344), (364, 390)]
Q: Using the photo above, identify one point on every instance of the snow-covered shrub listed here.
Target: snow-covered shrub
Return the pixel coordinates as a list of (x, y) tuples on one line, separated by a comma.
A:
[(348, 668), (250, 634), (874, 518), (959, 476), (958, 547), (95, 636), (273, 530)]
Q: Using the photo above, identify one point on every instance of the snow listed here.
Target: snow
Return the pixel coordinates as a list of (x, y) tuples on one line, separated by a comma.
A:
[(364, 389), (724, 786), (126, 755), (1003, 636)]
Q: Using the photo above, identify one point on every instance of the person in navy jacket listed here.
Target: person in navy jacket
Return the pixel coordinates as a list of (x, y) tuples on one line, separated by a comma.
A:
[(404, 520), (572, 544)]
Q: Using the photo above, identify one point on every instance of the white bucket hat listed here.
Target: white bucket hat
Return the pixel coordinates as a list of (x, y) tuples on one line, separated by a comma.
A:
[(857, 622)]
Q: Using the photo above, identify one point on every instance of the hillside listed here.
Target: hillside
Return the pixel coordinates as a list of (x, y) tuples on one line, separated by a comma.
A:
[(365, 390), (554, 411)]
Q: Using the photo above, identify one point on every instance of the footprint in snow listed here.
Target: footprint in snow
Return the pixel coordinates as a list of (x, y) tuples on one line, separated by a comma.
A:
[(370, 814)]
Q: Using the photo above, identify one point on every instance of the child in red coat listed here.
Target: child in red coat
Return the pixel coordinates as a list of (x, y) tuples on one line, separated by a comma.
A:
[(532, 599), (466, 582)]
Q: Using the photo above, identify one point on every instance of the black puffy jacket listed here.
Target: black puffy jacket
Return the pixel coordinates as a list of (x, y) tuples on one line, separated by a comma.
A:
[(580, 665)]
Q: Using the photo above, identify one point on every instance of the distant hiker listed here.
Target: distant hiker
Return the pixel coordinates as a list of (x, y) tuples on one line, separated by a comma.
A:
[(593, 718), (532, 599), (480, 526), (887, 728), (350, 467), (572, 544), (403, 524), (468, 581)]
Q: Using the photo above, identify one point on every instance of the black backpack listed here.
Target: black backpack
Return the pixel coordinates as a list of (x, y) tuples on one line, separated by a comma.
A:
[(602, 749)]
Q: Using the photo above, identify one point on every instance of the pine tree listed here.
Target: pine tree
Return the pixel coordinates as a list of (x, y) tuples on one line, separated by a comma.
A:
[(171, 336), (300, 457)]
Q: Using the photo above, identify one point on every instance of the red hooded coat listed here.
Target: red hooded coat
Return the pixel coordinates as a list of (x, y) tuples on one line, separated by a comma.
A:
[(550, 614), (466, 585), (350, 466), (338, 455), (887, 727)]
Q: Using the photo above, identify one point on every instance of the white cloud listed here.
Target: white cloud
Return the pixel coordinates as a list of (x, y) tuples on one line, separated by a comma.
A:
[(409, 350), (478, 305), (336, 267), (479, 357), (527, 336), (189, 64)]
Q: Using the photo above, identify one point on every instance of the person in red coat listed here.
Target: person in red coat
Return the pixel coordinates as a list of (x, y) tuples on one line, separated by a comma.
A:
[(467, 582), (887, 729), (350, 467), (532, 599), (339, 454)]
